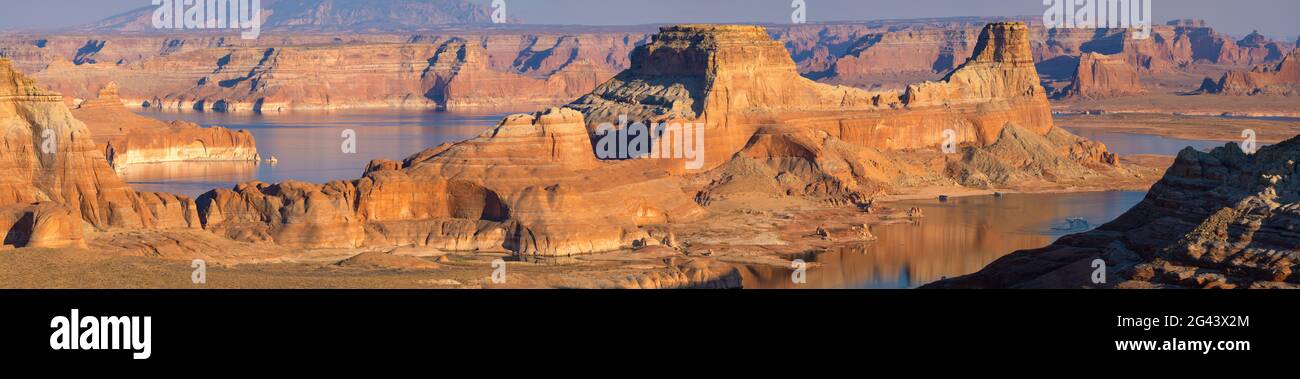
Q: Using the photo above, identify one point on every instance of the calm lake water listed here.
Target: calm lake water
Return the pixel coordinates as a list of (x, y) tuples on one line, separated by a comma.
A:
[(307, 145), (955, 238), (963, 235), (1131, 144)]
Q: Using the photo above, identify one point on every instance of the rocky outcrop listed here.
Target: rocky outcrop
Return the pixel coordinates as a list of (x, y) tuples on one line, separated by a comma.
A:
[(1280, 79), (1102, 76), (1254, 39), (531, 185), (1021, 156), (127, 138), (1224, 219), (48, 156), (41, 225)]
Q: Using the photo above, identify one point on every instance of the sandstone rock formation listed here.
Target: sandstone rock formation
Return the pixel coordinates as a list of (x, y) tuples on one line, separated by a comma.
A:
[(1102, 76), (1020, 156), (1171, 47), (735, 78), (127, 138), (41, 225), (893, 54), (1224, 219), (1280, 79), (49, 157)]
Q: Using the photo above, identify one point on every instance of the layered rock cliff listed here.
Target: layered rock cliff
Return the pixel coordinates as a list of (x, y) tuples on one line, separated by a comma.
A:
[(1280, 79), (1224, 219), (49, 157), (127, 138), (1102, 76), (453, 70), (735, 79), (893, 54)]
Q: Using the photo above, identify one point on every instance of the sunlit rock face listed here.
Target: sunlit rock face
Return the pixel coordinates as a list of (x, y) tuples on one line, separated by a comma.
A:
[(48, 156), (449, 69), (127, 138), (736, 79), (41, 225), (1102, 76)]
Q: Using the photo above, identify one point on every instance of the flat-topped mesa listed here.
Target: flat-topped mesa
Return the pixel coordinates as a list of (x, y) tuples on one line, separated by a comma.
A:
[(688, 49), (736, 78), (127, 138), (47, 157), (710, 72)]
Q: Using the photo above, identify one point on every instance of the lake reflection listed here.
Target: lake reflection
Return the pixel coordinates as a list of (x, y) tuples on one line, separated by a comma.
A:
[(955, 238), (308, 146), (1132, 143), (187, 178)]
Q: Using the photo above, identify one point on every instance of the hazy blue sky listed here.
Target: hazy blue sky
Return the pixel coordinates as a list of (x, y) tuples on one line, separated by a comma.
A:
[(1276, 18)]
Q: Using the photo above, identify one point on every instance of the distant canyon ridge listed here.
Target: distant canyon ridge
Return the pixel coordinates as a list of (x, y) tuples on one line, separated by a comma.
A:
[(325, 58)]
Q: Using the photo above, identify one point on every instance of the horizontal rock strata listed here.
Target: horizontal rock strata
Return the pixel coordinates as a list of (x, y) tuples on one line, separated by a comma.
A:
[(127, 138)]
